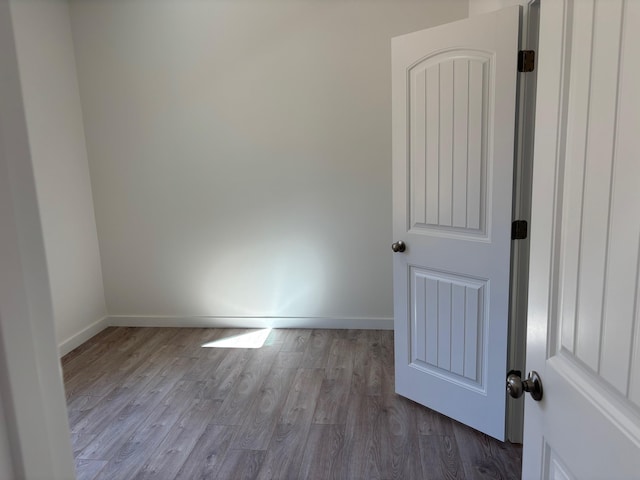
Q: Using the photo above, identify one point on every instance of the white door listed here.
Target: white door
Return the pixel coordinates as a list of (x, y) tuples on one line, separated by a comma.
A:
[(454, 97), (583, 334)]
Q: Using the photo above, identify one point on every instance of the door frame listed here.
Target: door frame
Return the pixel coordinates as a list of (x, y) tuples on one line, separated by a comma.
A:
[(31, 391), (522, 181)]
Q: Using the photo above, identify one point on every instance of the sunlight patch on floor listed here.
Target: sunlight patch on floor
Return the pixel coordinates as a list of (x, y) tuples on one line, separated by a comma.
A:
[(245, 340)]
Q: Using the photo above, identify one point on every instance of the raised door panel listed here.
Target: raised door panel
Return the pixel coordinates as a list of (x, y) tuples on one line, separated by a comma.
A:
[(448, 326), (449, 95), (598, 301)]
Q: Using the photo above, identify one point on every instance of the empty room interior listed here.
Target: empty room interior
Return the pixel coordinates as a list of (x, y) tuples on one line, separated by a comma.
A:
[(210, 240), (227, 164)]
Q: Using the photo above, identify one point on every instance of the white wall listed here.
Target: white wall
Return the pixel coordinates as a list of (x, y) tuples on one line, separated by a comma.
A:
[(240, 152), (478, 7), (54, 121)]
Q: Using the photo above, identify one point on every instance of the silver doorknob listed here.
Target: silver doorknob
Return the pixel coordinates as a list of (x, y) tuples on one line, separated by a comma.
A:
[(398, 246), (533, 384)]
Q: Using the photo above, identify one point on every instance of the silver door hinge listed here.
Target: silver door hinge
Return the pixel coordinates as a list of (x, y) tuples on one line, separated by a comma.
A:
[(526, 60)]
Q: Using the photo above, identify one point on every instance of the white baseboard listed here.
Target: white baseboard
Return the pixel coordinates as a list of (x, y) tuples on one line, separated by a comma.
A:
[(83, 335), (251, 322)]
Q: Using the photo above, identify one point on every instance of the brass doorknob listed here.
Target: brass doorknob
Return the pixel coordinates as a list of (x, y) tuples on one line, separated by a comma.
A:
[(398, 246), (533, 384)]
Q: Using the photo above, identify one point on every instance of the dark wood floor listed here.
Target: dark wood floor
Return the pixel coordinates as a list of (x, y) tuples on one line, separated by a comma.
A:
[(311, 404)]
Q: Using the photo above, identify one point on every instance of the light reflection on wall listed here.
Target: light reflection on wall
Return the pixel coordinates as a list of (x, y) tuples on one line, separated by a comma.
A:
[(271, 278)]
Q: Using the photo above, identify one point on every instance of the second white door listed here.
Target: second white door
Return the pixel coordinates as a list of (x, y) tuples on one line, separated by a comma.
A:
[(583, 332), (454, 100)]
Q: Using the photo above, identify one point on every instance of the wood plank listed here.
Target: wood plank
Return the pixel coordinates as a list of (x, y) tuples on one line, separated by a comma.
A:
[(288, 360), (78, 385), (111, 428), (241, 464), (77, 360), (103, 413), (387, 361), (301, 401), (331, 408), (120, 358), (239, 400), (484, 457), (206, 364), (324, 445), (186, 342), (399, 437), (284, 456), (362, 455), (340, 356), (79, 441), (332, 403), (100, 337), (260, 421), (100, 417), (207, 456), (317, 352), (431, 422), (440, 458), (134, 451), (130, 457), (224, 377), (88, 469), (179, 442), (80, 406), (367, 367), (294, 340), (120, 390)]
